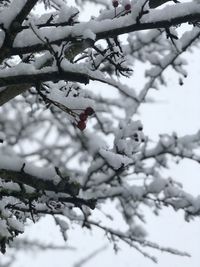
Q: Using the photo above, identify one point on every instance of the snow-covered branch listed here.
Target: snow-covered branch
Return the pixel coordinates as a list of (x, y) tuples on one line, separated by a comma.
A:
[(69, 141)]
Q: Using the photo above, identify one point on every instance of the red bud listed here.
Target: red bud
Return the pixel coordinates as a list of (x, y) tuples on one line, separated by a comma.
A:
[(83, 117), (115, 3), (81, 125), (89, 111), (127, 7)]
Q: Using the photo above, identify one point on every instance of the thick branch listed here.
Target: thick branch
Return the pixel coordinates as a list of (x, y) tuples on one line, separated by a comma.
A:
[(27, 177), (114, 27), (14, 26), (156, 3), (12, 91), (25, 11), (39, 77), (149, 25), (25, 195)]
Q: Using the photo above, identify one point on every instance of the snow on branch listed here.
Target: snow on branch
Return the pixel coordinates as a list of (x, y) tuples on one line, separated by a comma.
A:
[(37, 177), (154, 19), (71, 134)]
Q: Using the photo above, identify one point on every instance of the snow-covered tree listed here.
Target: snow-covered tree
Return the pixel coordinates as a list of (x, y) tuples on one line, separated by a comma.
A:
[(68, 148)]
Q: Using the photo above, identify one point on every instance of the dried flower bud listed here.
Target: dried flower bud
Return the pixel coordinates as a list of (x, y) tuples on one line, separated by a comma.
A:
[(81, 125), (127, 7), (89, 111), (83, 117), (115, 3)]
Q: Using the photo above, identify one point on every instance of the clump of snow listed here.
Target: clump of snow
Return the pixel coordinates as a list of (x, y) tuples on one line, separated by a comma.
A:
[(116, 161), (157, 185)]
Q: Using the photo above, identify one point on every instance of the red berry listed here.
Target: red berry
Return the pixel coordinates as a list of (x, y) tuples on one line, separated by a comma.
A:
[(83, 117), (89, 111), (115, 3), (81, 125), (127, 7)]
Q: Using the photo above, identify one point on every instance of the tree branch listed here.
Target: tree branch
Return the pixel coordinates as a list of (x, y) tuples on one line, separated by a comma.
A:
[(14, 27), (23, 175), (114, 26), (25, 195), (33, 79), (12, 91)]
